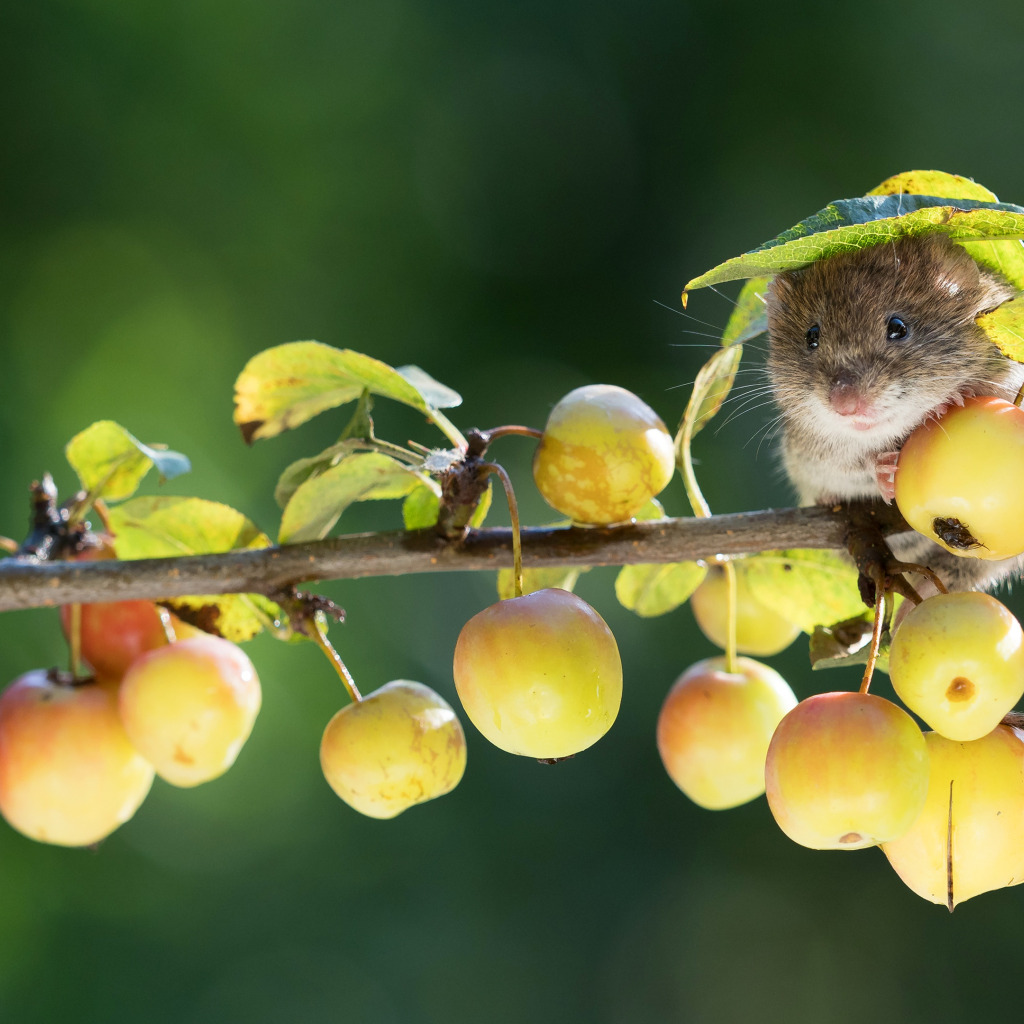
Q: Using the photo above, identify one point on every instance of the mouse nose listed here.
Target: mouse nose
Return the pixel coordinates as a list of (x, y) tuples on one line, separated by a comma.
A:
[(846, 397)]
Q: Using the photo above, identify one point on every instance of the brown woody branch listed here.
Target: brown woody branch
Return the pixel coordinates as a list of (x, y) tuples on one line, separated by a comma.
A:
[(29, 583)]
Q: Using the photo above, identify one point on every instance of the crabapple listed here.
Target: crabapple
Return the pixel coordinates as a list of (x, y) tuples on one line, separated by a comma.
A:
[(715, 726), (604, 454), (969, 838), (957, 660), (846, 770), (189, 707), (759, 629), (959, 480), (68, 773), (539, 675), (112, 634), (400, 745)]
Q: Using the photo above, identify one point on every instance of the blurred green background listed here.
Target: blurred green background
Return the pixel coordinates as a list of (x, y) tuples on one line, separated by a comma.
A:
[(504, 194)]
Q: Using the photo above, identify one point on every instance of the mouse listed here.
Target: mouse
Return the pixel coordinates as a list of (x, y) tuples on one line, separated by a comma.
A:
[(863, 347)]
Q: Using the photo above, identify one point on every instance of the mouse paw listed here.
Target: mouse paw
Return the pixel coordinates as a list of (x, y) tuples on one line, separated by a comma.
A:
[(885, 474)]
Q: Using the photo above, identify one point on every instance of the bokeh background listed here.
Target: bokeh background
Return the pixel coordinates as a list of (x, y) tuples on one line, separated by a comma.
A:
[(509, 195)]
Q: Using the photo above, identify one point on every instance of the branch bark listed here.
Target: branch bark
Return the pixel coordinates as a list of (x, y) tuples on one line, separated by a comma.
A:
[(28, 583)]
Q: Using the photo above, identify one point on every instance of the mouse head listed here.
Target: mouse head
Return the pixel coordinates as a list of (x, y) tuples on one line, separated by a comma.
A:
[(867, 343)]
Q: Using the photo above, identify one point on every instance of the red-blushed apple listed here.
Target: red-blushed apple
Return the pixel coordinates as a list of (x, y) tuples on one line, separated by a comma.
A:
[(68, 773), (960, 479), (759, 629), (957, 660), (715, 726), (190, 706), (969, 838), (539, 675), (604, 455), (845, 771), (400, 745)]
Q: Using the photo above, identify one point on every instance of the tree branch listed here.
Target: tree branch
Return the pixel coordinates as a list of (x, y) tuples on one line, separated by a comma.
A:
[(29, 583)]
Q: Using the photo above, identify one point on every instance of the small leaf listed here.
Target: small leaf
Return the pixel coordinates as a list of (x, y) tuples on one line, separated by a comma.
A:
[(289, 384), (317, 504), (847, 643), (1005, 326), (419, 510), (651, 590), (295, 475), (168, 527), (435, 394), (563, 578), (483, 506), (111, 463), (850, 224), (749, 318), (807, 587)]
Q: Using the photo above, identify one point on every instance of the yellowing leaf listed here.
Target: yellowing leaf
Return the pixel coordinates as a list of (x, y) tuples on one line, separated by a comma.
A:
[(167, 527), (749, 318), (933, 183), (284, 386), (111, 463), (562, 577), (807, 587), (316, 505), (651, 590), (1005, 326), (421, 505)]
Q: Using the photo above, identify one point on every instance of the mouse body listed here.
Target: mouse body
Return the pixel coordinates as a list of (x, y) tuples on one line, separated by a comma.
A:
[(863, 347)]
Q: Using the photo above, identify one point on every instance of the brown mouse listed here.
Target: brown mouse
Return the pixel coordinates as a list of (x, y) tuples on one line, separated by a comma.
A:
[(863, 347)]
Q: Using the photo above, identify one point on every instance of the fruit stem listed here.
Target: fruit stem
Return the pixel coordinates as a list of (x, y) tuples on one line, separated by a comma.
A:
[(730, 634), (318, 634), (512, 428), (876, 639), (513, 512), (75, 638)]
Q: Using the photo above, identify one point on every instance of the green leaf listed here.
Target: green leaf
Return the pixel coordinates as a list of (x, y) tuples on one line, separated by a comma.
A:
[(435, 394), (295, 475), (1005, 258), (317, 504), (168, 527), (111, 463), (1005, 326), (483, 506), (807, 587), (850, 224), (847, 643), (420, 508), (289, 384), (651, 590), (563, 578), (749, 318)]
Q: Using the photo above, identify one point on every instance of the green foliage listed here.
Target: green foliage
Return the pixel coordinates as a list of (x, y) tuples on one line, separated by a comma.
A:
[(564, 578), (651, 590), (807, 587), (316, 505), (111, 463), (166, 527), (1005, 326)]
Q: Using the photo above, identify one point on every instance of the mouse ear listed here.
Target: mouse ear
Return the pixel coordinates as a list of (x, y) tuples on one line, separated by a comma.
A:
[(781, 289)]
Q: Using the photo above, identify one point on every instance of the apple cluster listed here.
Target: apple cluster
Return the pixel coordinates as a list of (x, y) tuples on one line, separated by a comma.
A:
[(847, 770), (78, 754)]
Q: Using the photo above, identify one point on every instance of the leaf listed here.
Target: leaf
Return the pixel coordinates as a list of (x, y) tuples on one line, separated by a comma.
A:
[(807, 587), (111, 463), (317, 504), (749, 318), (283, 387), (847, 643), (933, 183), (563, 578), (651, 590), (1005, 258), (295, 475), (850, 224), (167, 527), (435, 394), (1005, 326), (420, 508)]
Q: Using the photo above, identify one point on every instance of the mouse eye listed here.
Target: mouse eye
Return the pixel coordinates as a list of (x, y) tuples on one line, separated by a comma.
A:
[(813, 333), (896, 329)]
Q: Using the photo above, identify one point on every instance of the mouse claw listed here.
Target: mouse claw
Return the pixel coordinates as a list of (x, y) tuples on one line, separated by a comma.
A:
[(885, 475)]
